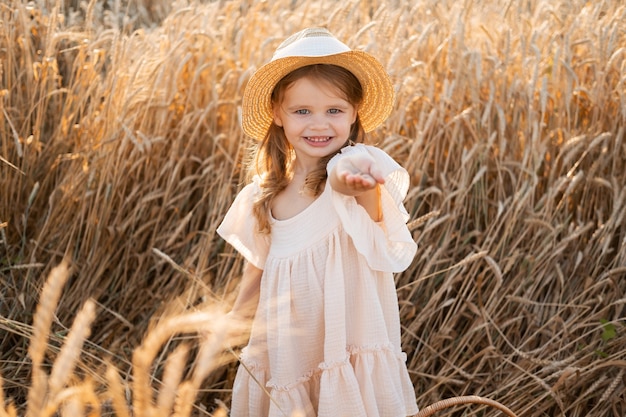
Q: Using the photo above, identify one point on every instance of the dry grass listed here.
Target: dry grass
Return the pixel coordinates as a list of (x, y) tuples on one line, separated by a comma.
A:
[(121, 151), (63, 392)]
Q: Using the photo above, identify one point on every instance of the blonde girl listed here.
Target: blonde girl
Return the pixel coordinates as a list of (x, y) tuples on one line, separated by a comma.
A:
[(322, 227)]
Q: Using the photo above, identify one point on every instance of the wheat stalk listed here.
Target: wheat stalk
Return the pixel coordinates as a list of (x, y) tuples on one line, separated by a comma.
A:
[(470, 399)]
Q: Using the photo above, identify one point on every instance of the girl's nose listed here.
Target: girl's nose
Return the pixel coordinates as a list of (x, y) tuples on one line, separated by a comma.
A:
[(319, 121)]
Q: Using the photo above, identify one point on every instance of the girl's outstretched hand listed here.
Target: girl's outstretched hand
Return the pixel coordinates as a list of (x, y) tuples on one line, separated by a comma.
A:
[(355, 174)]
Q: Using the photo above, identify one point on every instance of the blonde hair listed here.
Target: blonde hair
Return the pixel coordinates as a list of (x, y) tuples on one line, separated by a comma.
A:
[(273, 155)]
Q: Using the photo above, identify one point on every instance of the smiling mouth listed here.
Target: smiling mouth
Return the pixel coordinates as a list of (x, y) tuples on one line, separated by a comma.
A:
[(318, 139)]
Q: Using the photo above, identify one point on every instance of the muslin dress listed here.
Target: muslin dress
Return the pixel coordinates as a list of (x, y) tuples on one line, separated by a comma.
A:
[(325, 340)]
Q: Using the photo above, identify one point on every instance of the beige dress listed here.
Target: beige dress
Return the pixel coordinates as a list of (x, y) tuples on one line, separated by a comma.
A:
[(326, 335)]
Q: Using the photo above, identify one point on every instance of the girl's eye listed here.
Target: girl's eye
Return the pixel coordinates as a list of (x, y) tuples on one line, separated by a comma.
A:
[(302, 111), (334, 111)]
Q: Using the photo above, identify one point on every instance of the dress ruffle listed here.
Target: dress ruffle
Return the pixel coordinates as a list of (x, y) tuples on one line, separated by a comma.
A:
[(387, 246), (251, 395), (370, 382)]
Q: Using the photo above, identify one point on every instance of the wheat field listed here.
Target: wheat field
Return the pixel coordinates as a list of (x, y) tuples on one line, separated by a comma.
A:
[(121, 151)]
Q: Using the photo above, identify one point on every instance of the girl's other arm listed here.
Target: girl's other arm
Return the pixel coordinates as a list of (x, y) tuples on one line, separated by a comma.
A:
[(247, 299)]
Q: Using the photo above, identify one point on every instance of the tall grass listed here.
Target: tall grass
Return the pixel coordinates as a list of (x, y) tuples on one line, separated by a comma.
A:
[(121, 151)]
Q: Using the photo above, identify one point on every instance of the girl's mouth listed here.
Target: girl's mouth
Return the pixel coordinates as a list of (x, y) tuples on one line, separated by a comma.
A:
[(318, 139)]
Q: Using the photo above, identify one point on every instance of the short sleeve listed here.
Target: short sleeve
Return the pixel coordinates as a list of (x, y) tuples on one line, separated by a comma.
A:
[(388, 245), (239, 227)]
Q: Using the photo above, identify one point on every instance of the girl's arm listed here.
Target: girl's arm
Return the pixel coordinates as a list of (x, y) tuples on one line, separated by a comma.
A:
[(357, 175), (247, 299)]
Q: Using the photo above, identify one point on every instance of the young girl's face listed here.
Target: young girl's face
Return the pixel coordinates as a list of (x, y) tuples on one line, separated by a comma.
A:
[(315, 117)]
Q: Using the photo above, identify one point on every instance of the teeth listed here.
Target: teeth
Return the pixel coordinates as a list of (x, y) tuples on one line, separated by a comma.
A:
[(318, 139)]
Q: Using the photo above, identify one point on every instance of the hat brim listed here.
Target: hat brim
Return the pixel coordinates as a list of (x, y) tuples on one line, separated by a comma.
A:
[(378, 92)]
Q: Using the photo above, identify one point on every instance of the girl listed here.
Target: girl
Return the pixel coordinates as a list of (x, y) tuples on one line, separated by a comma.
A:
[(322, 227)]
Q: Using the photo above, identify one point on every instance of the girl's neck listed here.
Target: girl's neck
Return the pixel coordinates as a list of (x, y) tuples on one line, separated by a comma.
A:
[(304, 166)]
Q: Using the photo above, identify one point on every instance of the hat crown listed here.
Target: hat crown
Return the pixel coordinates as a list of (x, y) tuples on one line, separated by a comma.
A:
[(310, 42)]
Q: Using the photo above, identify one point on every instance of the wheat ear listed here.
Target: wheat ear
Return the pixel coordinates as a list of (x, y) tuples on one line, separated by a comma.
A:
[(185, 399), (116, 392), (65, 362), (172, 377), (5, 410), (42, 320), (143, 356)]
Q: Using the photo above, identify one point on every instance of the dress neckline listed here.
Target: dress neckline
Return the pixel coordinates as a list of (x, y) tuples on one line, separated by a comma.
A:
[(303, 211)]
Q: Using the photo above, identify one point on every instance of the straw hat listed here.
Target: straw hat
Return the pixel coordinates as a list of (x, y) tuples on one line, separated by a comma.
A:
[(316, 46)]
